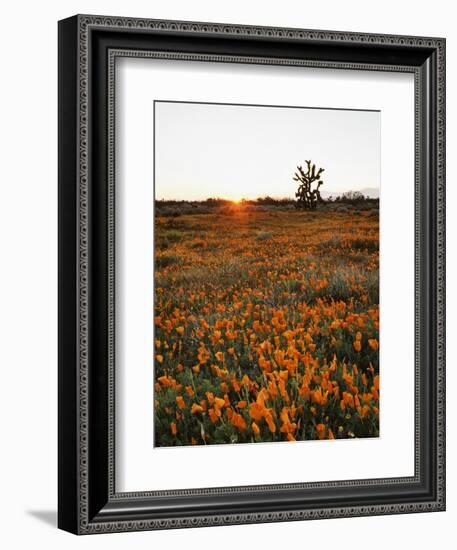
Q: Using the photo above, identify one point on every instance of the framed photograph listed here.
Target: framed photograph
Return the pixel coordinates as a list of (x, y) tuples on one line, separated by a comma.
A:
[(251, 274)]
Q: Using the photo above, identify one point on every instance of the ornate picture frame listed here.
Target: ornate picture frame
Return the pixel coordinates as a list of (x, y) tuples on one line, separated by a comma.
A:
[(88, 500)]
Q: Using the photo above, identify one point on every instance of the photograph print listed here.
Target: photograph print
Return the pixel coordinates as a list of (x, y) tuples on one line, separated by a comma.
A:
[(266, 273)]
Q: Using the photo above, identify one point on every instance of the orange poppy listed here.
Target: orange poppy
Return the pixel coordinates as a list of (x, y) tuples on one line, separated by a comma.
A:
[(270, 422), (238, 421), (373, 343), (214, 415), (320, 431), (180, 402), (256, 411), (196, 408), (219, 403)]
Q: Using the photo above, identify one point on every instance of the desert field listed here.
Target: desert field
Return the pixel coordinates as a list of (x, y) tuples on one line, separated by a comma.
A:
[(266, 325)]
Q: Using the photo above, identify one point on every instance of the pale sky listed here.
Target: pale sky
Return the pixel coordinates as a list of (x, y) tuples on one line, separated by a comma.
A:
[(236, 151)]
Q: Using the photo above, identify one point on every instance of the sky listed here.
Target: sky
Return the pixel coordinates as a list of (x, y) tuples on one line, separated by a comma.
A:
[(239, 151)]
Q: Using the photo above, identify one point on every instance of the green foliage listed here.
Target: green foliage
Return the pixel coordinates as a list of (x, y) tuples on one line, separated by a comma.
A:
[(264, 236)]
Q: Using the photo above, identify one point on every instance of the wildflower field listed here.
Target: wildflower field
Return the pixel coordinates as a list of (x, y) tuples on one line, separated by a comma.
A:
[(266, 326)]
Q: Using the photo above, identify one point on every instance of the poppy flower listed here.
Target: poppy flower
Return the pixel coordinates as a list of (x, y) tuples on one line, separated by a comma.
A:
[(256, 411), (270, 422), (180, 402), (320, 428), (373, 343), (238, 421), (196, 408)]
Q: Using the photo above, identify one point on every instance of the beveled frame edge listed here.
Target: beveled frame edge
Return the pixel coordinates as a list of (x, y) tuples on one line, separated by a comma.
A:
[(80, 31)]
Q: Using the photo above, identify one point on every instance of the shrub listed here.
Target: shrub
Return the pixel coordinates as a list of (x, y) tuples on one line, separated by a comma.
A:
[(342, 209), (264, 236), (173, 236), (166, 260)]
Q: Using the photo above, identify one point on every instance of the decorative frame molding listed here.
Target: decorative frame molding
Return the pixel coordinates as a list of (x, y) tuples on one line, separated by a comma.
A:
[(88, 502)]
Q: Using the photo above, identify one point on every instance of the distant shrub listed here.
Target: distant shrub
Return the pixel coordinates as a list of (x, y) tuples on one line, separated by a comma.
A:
[(228, 210), (264, 236), (201, 210), (370, 245), (270, 201), (351, 197), (355, 198), (342, 209), (266, 200), (182, 225), (333, 242), (373, 213), (166, 260), (169, 213), (211, 202), (173, 236)]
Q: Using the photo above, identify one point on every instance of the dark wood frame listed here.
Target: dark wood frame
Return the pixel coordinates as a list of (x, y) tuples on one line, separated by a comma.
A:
[(88, 46)]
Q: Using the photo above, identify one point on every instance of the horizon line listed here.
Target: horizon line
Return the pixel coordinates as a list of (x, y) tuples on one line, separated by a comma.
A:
[(246, 199)]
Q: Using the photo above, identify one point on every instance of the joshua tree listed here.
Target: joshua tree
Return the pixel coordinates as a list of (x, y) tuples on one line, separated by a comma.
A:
[(306, 196)]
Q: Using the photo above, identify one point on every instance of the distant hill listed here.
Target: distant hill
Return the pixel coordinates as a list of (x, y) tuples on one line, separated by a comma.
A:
[(371, 192)]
